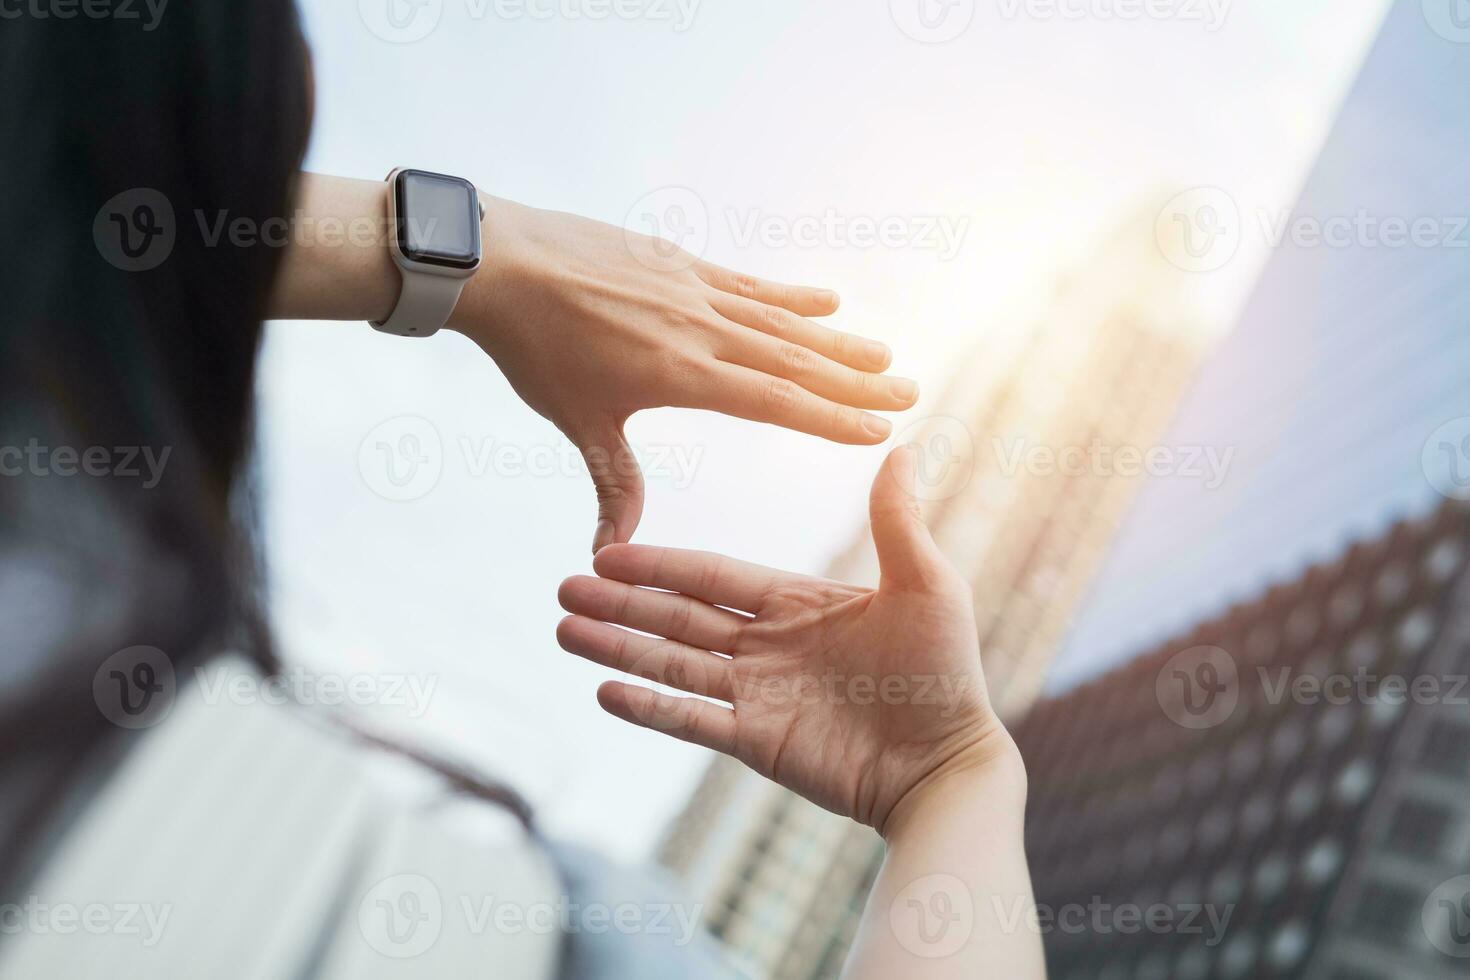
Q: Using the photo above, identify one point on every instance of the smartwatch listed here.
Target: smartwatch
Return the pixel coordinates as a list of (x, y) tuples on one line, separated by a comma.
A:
[(434, 236)]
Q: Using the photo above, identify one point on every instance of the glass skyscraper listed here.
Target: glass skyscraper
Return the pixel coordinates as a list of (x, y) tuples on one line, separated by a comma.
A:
[(1344, 392), (1342, 405)]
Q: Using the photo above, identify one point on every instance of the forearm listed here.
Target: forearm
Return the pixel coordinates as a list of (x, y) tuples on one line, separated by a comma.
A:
[(954, 899), (337, 264), (592, 323)]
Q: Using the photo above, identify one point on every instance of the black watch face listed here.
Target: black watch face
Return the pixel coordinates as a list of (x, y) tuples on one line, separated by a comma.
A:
[(438, 219)]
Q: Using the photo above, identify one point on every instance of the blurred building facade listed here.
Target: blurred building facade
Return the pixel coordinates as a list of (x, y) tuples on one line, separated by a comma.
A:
[(1337, 833), (1333, 396), (1022, 487), (1348, 359), (1306, 816)]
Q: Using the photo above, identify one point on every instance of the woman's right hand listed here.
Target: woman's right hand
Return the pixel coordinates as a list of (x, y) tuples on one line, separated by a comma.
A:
[(854, 698), (870, 703)]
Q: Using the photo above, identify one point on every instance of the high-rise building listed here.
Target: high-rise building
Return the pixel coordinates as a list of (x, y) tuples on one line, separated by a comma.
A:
[(1343, 385), (1282, 791), (1023, 482), (1339, 401), (1337, 833)]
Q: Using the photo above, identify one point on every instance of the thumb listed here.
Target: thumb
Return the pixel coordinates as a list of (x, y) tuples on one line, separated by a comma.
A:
[(907, 555), (619, 484)]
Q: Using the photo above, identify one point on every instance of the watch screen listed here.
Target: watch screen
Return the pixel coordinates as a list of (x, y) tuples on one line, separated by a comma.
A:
[(438, 219)]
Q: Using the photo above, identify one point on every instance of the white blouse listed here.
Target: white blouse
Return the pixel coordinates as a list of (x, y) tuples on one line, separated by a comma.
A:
[(246, 840)]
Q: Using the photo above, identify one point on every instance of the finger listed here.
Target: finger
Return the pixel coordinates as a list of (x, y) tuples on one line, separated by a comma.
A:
[(907, 554), (665, 614), (747, 394), (665, 662), (716, 579), (845, 348), (619, 484), (688, 719), (821, 376), (803, 300)]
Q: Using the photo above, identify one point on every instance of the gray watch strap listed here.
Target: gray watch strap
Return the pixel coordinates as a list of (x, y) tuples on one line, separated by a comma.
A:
[(424, 305)]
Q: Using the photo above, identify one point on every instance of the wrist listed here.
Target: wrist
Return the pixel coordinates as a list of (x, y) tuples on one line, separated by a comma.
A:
[(475, 315), (988, 775)]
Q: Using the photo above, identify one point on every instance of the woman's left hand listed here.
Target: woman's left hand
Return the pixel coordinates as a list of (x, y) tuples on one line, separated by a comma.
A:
[(591, 324)]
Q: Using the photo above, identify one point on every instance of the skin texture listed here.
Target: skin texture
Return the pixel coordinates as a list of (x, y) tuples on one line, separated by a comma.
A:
[(592, 324), (871, 703), (851, 697)]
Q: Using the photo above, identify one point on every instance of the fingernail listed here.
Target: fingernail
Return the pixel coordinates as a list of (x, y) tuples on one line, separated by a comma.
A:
[(876, 426), (878, 354), (604, 535), (905, 390), (828, 298)]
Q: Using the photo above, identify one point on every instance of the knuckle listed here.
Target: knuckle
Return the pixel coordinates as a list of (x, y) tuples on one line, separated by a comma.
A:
[(744, 285), (660, 556), (680, 617), (622, 654), (796, 360), (864, 386), (675, 362), (708, 576), (842, 345), (639, 700), (691, 318), (776, 321), (612, 493), (679, 321), (780, 397)]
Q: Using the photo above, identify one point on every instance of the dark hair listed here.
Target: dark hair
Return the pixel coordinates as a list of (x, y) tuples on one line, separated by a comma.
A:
[(206, 109), (116, 340)]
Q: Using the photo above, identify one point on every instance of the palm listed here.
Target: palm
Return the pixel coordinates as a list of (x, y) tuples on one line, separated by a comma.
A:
[(845, 695)]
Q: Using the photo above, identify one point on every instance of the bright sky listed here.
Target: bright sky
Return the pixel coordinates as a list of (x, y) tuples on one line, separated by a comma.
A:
[(995, 159)]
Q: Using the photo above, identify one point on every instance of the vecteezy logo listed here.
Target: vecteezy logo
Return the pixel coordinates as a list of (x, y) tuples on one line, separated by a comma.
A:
[(1199, 230), (134, 688), (1450, 19), (933, 21), (945, 457), (135, 231), (402, 459), (401, 916), (933, 917), (401, 21), (1199, 687), (676, 220), (1446, 459), (1446, 917)]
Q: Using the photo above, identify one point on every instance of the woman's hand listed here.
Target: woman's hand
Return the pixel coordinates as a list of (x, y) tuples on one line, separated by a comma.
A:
[(870, 703), (591, 324), (855, 699)]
